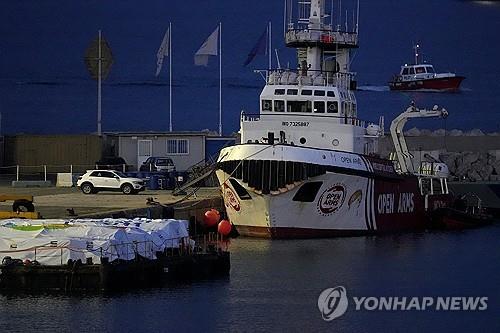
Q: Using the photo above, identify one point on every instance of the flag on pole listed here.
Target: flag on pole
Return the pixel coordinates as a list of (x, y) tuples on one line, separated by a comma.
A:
[(209, 48), (163, 51), (259, 48)]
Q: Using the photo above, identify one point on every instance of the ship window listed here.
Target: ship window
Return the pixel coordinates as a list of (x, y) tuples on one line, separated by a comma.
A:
[(267, 105), (405, 71), (430, 70), (319, 93), (306, 92), (279, 91), (279, 106), (412, 70), (330, 94), (299, 106), (420, 70), (240, 190), (319, 107), (332, 107), (292, 92), (307, 192)]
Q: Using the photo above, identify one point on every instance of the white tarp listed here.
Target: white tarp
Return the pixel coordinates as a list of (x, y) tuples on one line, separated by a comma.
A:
[(52, 242)]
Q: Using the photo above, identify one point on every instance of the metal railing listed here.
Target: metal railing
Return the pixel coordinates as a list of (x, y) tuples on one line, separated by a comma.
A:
[(342, 120), (308, 77), (325, 36)]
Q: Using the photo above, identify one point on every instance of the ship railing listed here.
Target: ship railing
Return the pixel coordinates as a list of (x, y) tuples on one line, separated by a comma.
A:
[(354, 121), (324, 36), (307, 77)]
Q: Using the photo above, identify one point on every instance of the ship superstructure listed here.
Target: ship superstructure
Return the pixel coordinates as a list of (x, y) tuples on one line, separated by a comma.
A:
[(307, 166)]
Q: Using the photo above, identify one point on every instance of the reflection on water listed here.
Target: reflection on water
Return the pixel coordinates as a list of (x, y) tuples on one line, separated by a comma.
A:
[(274, 285)]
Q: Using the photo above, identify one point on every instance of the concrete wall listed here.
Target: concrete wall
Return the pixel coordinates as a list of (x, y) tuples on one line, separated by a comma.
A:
[(127, 148), (57, 150), (483, 143)]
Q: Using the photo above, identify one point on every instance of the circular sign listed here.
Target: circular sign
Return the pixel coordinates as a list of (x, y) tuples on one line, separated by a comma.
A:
[(332, 199), (230, 198)]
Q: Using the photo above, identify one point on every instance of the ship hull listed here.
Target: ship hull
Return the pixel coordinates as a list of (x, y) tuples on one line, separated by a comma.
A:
[(345, 202), (436, 84)]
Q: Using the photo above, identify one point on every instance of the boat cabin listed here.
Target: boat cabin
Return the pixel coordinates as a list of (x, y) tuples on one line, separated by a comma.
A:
[(308, 99), (420, 71)]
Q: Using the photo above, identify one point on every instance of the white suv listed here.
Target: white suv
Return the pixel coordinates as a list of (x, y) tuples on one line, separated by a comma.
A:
[(109, 180)]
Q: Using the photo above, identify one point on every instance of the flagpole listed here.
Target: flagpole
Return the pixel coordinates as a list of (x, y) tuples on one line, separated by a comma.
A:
[(270, 48), (170, 71), (99, 87), (220, 78)]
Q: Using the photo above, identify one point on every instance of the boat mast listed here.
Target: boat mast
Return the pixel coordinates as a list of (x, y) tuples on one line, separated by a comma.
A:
[(415, 48), (315, 25)]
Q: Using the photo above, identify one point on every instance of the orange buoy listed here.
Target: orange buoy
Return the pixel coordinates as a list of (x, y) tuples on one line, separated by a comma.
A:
[(217, 213), (211, 217), (224, 227)]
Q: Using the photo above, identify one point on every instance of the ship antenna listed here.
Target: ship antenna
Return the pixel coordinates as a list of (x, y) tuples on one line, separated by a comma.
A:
[(331, 16), (277, 58), (357, 20), (284, 20), (416, 53)]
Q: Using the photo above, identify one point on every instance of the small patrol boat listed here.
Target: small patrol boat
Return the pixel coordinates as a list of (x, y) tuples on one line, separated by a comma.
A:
[(422, 76)]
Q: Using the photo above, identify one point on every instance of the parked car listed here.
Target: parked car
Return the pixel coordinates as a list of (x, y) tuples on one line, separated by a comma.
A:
[(158, 164), (109, 180), (112, 163)]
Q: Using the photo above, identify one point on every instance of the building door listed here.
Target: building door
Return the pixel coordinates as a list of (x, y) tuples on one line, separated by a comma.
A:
[(144, 151)]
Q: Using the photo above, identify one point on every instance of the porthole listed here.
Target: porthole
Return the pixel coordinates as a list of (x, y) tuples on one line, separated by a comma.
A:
[(335, 142), (303, 140)]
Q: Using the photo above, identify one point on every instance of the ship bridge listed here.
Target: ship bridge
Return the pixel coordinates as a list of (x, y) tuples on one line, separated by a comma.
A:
[(325, 38)]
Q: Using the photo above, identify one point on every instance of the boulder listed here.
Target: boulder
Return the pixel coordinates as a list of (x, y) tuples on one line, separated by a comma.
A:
[(425, 132), (412, 132), (455, 132), (474, 132), (439, 132), (469, 157)]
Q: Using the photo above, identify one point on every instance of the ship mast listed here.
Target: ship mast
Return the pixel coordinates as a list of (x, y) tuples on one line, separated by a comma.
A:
[(321, 49)]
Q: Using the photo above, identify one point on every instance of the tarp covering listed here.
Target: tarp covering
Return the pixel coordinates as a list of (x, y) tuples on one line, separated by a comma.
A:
[(54, 242)]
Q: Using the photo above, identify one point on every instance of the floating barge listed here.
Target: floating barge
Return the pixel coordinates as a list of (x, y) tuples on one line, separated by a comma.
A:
[(111, 254)]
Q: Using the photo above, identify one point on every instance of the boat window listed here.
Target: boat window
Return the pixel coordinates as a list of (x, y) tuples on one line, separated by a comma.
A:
[(306, 92), (405, 71), (267, 105), (420, 70), (279, 91), (240, 190), (319, 93), (436, 186), (307, 192), (425, 186), (279, 106), (319, 107), (332, 107), (299, 106), (412, 70), (330, 94), (292, 92), (430, 69)]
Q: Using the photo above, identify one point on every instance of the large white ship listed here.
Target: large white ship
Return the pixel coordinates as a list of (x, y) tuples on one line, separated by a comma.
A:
[(307, 166)]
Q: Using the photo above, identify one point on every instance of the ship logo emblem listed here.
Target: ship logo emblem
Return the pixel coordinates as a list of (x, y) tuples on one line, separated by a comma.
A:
[(230, 198), (332, 199)]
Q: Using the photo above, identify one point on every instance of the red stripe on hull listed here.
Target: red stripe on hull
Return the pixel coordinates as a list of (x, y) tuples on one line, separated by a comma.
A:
[(304, 233), (296, 233), (445, 84)]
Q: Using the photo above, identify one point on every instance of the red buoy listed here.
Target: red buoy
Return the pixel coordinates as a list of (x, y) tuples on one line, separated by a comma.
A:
[(224, 227), (211, 217)]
